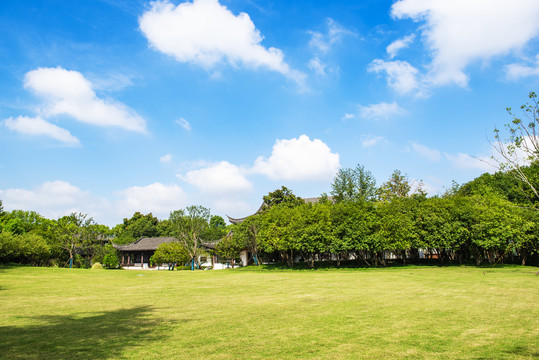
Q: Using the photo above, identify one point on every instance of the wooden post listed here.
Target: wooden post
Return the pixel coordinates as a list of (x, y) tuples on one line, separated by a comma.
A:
[(142, 260)]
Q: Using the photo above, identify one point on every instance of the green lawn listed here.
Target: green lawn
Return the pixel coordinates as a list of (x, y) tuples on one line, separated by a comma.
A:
[(393, 313)]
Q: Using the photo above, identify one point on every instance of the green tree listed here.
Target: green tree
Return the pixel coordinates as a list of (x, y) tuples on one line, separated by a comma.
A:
[(354, 185), (172, 253), (397, 186), (216, 230), (283, 197), (74, 231), (189, 225), (398, 227), (353, 228), (111, 261), (246, 234), (28, 248), (276, 234), (139, 225), (229, 249), (311, 230)]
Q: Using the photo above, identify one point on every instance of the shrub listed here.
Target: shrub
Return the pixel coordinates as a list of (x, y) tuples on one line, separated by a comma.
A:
[(110, 261), (97, 266)]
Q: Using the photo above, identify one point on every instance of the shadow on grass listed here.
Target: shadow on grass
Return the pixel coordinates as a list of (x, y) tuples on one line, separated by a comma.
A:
[(69, 337)]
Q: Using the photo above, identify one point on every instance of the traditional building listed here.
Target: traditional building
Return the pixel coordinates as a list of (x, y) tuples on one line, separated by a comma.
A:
[(137, 255)]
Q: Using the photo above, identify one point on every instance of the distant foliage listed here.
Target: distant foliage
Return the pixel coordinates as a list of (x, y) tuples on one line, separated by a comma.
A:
[(283, 197), (139, 225), (354, 185)]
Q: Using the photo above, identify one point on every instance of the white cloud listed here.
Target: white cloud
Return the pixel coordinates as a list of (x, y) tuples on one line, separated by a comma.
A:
[(67, 92), (220, 178), (393, 48), (381, 111), (317, 66), (165, 159), (460, 32), (517, 71), (299, 159), (465, 161), (205, 32), (324, 42), (432, 155), (184, 124), (156, 198), (39, 127), (54, 199), (370, 140), (401, 76)]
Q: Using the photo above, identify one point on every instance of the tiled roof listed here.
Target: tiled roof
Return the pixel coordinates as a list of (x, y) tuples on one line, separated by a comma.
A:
[(145, 244)]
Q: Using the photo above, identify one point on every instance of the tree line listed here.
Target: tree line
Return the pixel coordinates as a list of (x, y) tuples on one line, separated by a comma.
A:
[(491, 219)]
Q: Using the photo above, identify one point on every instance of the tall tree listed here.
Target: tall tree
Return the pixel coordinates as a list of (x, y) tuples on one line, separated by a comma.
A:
[(397, 186), (354, 185), (139, 225), (519, 146), (246, 234), (73, 232), (189, 225)]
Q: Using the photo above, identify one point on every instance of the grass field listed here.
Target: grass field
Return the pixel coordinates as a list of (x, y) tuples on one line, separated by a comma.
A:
[(393, 313)]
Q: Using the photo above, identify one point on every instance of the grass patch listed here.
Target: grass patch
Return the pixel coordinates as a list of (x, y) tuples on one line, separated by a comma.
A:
[(398, 313)]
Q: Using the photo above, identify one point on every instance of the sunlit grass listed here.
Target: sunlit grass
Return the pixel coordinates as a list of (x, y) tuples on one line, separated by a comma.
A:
[(394, 313)]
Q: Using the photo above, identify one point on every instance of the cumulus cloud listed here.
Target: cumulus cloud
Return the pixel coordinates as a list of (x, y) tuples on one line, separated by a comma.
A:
[(219, 178), (460, 32), (206, 33), (381, 111), (67, 92), (299, 159), (54, 199), (156, 198), (184, 124), (393, 48), (36, 126), (401, 76), (432, 155)]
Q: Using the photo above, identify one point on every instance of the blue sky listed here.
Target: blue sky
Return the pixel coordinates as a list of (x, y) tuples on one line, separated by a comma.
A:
[(114, 106)]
